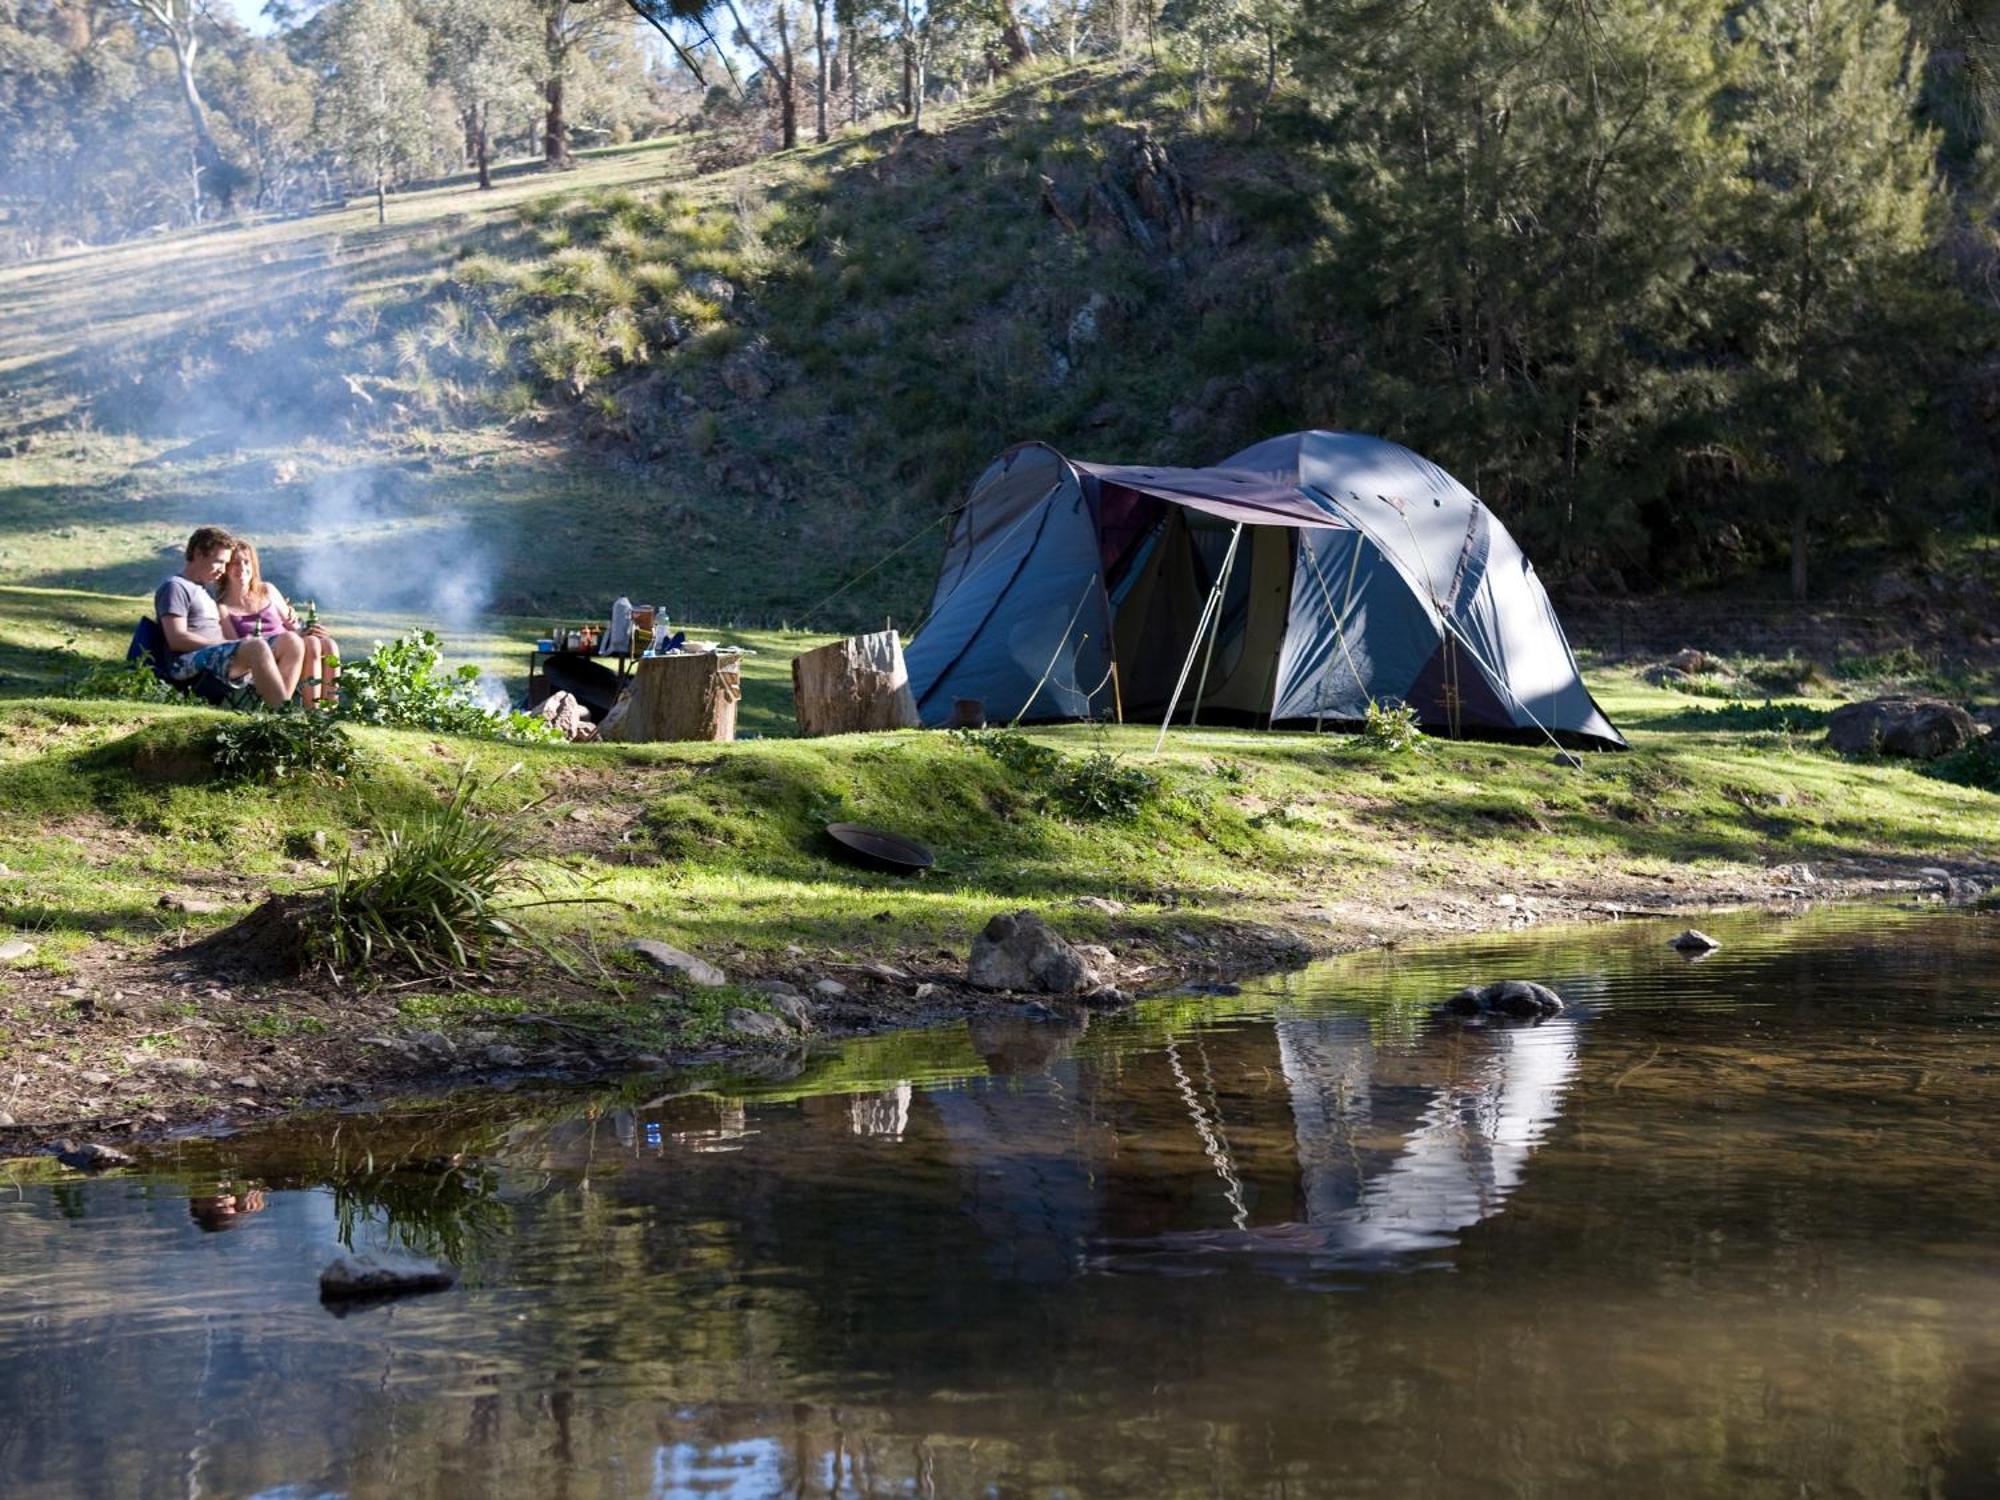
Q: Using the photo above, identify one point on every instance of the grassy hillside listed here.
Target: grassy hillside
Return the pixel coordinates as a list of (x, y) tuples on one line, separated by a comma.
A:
[(730, 390)]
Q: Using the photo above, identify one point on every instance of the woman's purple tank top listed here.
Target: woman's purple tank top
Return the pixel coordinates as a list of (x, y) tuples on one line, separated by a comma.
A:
[(266, 621)]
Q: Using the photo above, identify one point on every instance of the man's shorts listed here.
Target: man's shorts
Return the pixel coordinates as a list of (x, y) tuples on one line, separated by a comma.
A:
[(215, 659)]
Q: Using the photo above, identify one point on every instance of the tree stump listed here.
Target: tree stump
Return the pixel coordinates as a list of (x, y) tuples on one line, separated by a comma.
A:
[(853, 686), (687, 697)]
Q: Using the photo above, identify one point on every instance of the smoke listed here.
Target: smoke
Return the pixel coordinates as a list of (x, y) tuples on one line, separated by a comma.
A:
[(361, 546)]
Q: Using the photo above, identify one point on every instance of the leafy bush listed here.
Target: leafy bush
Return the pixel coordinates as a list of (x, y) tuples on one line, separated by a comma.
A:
[(1974, 765), (1391, 728), (1779, 718), (1097, 787), (403, 684), (131, 682), (435, 898), (274, 744)]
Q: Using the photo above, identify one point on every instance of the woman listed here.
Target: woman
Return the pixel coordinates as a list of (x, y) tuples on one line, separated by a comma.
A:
[(251, 607)]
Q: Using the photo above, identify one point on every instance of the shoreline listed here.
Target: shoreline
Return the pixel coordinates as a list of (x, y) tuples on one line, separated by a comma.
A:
[(126, 1079)]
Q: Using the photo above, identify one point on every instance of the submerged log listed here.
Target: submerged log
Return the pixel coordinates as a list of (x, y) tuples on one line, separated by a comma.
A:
[(854, 686)]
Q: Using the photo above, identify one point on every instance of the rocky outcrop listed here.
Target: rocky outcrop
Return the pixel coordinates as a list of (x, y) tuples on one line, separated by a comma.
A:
[(1914, 728), (1019, 952)]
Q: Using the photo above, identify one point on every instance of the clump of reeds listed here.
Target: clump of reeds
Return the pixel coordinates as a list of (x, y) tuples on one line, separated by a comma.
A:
[(440, 895)]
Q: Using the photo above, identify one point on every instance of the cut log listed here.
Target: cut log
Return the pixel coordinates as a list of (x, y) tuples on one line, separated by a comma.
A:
[(689, 697), (854, 686)]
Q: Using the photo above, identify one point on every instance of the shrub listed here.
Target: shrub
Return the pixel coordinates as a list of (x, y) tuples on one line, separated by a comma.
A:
[(272, 745), (1779, 718), (437, 897), (131, 682), (1100, 787), (402, 684), (1095, 788), (1391, 728), (1974, 765)]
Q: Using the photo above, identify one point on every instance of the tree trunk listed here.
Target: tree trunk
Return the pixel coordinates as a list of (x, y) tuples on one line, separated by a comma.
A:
[(909, 61), (691, 697), (381, 199), (214, 171), (555, 127), (1799, 552), (1014, 36), (788, 100), (483, 144), (853, 687), (820, 84)]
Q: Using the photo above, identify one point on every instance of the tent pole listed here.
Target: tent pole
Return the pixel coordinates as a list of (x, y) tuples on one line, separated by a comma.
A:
[(1214, 601), (1215, 627)]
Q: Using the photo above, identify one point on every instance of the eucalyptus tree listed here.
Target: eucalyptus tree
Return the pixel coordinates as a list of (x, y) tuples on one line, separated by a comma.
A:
[(488, 54), (178, 25), (374, 98)]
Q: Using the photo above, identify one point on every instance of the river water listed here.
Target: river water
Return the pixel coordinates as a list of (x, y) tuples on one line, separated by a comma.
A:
[(1726, 1227)]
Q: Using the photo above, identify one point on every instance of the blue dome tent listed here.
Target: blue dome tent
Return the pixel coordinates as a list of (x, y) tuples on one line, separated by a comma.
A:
[(1306, 577)]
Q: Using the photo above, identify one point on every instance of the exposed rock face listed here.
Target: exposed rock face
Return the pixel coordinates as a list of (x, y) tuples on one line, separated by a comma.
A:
[(1694, 940), (1019, 952), (670, 960), (1520, 998), (1915, 728), (351, 1275)]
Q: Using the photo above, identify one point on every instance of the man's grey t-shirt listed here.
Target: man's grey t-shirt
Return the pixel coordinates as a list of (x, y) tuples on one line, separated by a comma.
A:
[(178, 596)]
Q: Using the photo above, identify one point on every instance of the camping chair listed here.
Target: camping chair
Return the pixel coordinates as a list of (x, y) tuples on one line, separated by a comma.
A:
[(149, 646)]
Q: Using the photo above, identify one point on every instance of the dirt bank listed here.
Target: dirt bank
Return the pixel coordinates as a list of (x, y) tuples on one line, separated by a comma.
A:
[(135, 1042)]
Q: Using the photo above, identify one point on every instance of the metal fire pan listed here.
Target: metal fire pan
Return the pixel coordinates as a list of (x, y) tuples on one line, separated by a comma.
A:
[(873, 849)]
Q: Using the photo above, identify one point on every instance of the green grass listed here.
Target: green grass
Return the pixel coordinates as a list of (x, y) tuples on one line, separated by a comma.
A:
[(719, 849)]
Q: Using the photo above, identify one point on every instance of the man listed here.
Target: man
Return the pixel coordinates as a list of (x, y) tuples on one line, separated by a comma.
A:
[(193, 627)]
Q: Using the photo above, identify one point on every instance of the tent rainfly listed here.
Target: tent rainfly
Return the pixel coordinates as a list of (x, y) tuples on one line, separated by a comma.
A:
[(1307, 577)]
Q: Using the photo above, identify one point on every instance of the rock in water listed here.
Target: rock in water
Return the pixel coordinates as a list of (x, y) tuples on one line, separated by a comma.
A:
[(670, 960), (1520, 998), (352, 1275), (1018, 952), (1694, 940), (91, 1157)]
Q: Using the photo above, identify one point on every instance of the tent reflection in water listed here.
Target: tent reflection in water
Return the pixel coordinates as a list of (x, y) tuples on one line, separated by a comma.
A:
[(1308, 577)]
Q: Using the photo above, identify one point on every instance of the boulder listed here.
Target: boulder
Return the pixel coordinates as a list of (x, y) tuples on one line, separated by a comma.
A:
[(670, 960), (1019, 952), (1914, 728), (759, 1024), (1520, 998), (381, 1273), (829, 989), (1689, 660), (794, 1009), (568, 717), (91, 1157), (1104, 904), (15, 948), (1693, 940)]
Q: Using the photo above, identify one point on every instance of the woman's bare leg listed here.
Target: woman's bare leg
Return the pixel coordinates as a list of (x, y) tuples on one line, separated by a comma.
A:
[(289, 652)]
